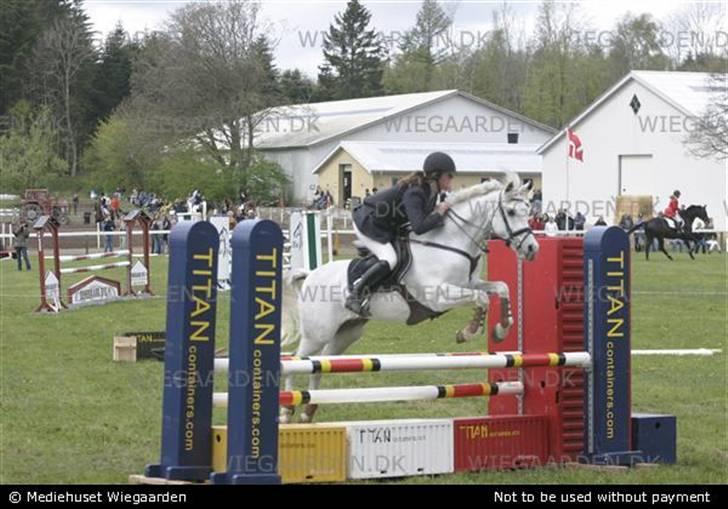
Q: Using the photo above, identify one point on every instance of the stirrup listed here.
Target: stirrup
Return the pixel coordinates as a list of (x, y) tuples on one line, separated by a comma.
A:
[(358, 305)]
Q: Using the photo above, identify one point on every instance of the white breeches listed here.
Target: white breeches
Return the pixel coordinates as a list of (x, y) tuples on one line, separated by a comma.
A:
[(384, 252)]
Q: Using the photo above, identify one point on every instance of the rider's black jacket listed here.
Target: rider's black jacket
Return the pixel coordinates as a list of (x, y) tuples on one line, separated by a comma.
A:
[(382, 214)]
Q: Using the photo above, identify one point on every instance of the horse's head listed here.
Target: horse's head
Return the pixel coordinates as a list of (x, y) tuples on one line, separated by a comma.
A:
[(510, 221), (693, 211)]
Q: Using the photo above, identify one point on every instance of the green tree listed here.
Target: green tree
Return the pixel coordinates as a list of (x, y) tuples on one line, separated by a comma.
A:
[(124, 152), (21, 25), (63, 58), (266, 182), (636, 45), (208, 77), (27, 149), (354, 55), (111, 81), (295, 87), (426, 45)]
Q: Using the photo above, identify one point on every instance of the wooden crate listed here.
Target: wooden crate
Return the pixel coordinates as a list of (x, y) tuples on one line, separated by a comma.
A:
[(133, 346)]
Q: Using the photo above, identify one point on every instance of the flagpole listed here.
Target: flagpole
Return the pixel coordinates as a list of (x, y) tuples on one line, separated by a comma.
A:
[(568, 144)]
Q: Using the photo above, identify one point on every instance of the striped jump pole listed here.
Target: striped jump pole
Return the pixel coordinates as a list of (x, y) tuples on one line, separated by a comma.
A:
[(368, 364), (92, 256), (384, 394), (93, 268)]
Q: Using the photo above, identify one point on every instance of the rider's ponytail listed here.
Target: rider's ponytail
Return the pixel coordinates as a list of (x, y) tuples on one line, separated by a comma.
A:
[(416, 178)]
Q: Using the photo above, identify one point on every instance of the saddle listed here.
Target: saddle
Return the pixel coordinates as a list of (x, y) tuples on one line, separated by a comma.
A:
[(671, 223), (393, 282)]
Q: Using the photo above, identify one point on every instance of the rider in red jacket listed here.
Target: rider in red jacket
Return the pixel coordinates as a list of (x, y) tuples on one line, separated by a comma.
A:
[(673, 209)]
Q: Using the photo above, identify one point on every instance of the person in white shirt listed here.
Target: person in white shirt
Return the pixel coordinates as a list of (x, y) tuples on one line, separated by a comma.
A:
[(550, 227), (699, 224)]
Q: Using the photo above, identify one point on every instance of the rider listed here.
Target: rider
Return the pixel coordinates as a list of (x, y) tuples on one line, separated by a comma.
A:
[(673, 210), (379, 218)]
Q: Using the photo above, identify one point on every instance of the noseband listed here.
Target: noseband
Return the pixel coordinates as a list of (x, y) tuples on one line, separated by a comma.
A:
[(524, 232)]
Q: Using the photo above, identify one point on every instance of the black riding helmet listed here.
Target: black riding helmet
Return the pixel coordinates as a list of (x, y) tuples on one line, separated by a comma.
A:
[(438, 163), (676, 194)]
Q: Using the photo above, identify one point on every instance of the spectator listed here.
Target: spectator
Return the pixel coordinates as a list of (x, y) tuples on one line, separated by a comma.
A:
[(108, 226), (699, 224), (579, 221), (21, 232), (626, 223), (564, 221), (550, 227), (156, 237), (536, 223), (367, 193), (639, 235), (166, 226), (115, 205), (536, 202), (329, 199), (121, 227), (74, 201), (600, 222)]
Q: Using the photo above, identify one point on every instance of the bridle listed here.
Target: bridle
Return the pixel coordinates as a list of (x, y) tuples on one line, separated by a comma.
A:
[(523, 233), (484, 230)]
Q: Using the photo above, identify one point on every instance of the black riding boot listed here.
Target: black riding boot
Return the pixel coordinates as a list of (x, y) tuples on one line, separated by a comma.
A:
[(358, 299)]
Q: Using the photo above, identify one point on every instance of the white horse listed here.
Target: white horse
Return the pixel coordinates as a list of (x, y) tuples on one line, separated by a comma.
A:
[(445, 273)]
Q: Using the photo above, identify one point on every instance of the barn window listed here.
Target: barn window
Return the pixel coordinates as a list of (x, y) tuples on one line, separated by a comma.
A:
[(512, 138), (635, 104)]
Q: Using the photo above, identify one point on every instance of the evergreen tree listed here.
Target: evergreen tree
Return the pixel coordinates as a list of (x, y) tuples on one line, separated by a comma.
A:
[(426, 43), (354, 55), (111, 83), (21, 24), (295, 87)]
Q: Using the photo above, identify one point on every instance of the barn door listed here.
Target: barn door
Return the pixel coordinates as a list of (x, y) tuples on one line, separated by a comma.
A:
[(637, 175)]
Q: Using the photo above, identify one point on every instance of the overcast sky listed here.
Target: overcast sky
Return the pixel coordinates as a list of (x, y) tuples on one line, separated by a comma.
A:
[(297, 25)]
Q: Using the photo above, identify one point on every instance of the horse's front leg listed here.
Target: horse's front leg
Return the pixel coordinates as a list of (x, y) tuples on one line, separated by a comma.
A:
[(450, 296), (499, 288), (474, 327)]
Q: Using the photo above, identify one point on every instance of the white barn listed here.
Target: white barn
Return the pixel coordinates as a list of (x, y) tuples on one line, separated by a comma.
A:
[(301, 137), (633, 144)]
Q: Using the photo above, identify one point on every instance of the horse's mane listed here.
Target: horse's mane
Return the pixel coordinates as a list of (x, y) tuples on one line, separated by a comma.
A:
[(483, 188)]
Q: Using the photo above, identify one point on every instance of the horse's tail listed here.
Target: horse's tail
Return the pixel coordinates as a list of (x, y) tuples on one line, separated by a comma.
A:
[(291, 327), (635, 228)]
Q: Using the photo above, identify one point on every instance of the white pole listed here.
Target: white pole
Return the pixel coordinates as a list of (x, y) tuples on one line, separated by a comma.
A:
[(335, 364), (383, 394), (706, 352)]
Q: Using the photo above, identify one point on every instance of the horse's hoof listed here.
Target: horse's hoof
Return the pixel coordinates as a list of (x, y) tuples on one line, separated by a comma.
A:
[(305, 418), (499, 333), (460, 337), (285, 415)]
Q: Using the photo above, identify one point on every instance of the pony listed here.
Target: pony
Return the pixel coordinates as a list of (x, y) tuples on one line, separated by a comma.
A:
[(445, 273), (659, 228)]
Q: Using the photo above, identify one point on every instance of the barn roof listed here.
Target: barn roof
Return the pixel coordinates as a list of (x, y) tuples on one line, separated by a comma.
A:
[(689, 92), (402, 157), (302, 125)]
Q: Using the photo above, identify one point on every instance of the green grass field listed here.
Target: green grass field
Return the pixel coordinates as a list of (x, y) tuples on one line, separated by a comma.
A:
[(71, 415)]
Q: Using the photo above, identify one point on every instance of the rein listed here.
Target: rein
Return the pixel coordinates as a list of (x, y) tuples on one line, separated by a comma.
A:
[(485, 231)]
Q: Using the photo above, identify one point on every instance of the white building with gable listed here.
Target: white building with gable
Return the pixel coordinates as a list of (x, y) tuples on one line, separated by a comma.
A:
[(303, 137), (632, 138)]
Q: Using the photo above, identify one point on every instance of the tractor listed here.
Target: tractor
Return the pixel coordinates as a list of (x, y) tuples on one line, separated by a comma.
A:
[(39, 202)]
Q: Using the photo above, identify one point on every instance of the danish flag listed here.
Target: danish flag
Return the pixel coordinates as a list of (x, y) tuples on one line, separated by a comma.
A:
[(575, 149)]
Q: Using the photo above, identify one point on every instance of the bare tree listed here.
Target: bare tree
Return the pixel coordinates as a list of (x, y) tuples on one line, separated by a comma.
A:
[(61, 54), (695, 29), (709, 138), (210, 74)]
